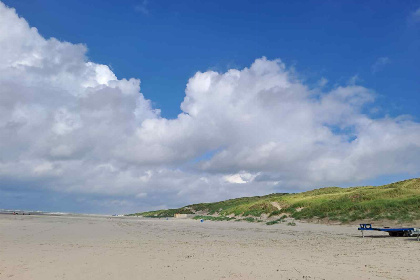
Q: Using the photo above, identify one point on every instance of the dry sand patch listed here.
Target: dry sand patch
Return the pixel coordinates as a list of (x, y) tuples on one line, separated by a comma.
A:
[(80, 247)]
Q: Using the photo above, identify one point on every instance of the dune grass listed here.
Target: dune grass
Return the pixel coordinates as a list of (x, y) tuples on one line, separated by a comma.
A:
[(213, 218), (397, 201), (164, 213), (280, 220)]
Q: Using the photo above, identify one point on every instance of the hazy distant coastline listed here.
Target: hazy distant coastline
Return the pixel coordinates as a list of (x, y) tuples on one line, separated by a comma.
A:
[(44, 213)]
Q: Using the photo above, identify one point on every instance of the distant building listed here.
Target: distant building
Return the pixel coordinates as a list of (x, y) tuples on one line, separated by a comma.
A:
[(181, 216)]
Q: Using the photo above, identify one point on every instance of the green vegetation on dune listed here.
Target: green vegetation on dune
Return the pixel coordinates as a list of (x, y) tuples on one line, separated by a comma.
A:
[(280, 220), (213, 218), (247, 206), (164, 213), (397, 201)]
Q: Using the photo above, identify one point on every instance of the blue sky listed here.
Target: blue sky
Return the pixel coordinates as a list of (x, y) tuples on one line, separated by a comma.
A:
[(236, 98), (166, 42)]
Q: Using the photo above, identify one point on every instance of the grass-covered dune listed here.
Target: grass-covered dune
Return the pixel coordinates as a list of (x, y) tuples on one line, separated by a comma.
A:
[(398, 201)]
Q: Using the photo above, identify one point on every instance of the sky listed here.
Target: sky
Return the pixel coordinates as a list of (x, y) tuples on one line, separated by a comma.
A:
[(125, 106)]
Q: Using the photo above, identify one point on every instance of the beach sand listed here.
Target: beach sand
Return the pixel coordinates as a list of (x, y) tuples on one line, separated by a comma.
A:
[(93, 247)]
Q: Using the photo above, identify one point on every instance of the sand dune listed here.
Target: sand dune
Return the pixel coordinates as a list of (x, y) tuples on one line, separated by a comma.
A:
[(73, 247)]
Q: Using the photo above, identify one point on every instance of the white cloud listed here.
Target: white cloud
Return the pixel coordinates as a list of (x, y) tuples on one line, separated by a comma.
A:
[(69, 125), (322, 82), (239, 178)]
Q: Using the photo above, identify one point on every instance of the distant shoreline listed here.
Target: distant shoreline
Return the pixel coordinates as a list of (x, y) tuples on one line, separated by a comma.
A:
[(43, 213)]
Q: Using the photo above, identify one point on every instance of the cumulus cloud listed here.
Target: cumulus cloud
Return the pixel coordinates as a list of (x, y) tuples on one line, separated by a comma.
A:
[(240, 178), (69, 125)]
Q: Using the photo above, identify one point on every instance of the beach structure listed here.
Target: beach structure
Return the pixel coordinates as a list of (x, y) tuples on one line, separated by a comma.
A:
[(392, 231), (181, 216)]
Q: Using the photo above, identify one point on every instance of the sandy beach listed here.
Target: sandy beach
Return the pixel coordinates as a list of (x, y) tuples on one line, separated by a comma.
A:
[(94, 247)]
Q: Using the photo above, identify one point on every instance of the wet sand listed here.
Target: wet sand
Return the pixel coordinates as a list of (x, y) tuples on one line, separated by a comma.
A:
[(81, 247)]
